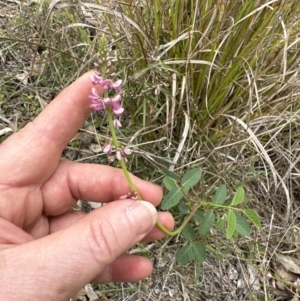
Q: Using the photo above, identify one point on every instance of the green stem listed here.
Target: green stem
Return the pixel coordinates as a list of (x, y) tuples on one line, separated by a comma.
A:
[(178, 230), (117, 145), (132, 186)]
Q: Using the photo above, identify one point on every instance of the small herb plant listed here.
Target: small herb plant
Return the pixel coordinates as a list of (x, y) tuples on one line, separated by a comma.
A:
[(219, 212)]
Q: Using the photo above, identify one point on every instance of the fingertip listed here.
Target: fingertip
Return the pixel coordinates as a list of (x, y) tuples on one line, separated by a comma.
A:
[(167, 220)]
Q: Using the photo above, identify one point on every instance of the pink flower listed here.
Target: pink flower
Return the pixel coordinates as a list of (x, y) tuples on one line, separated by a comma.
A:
[(127, 151), (107, 101), (122, 153), (119, 155), (108, 83), (107, 148), (117, 85), (94, 94), (97, 105), (129, 195), (116, 98), (117, 123), (118, 110), (297, 282), (111, 159), (96, 79)]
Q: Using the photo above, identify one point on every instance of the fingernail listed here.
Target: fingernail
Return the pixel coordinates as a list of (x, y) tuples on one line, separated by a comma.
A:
[(142, 215)]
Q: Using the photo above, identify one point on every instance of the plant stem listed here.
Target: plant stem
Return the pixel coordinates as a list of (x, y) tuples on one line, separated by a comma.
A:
[(178, 230), (132, 186), (117, 145)]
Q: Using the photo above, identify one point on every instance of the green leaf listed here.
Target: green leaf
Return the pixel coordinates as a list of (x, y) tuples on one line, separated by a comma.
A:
[(185, 254), (172, 199), (170, 174), (235, 234), (199, 251), (242, 226), (220, 196), (184, 208), (231, 223), (191, 178), (253, 217), (238, 197), (220, 224), (170, 183), (207, 222), (188, 233), (198, 216)]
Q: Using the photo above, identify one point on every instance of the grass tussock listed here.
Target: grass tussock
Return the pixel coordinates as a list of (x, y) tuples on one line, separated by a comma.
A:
[(208, 83)]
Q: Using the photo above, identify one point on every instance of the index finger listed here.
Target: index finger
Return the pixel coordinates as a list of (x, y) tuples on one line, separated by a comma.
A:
[(38, 146), (64, 116)]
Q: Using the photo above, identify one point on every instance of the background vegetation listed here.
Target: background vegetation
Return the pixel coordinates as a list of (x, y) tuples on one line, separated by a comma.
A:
[(211, 84)]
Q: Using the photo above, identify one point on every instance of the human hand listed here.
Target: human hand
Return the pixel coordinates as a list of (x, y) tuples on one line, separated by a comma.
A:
[(48, 252)]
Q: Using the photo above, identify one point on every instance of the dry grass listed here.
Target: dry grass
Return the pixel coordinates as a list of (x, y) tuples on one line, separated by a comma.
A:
[(239, 122)]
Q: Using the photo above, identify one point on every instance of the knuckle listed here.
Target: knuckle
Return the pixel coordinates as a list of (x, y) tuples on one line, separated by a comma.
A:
[(104, 241)]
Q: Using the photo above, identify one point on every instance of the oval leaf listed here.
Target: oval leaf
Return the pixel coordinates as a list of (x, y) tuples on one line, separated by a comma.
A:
[(191, 178), (172, 199), (220, 224), (184, 208), (231, 223), (170, 183), (242, 226), (220, 196), (207, 222), (199, 251), (253, 217), (198, 216), (238, 197), (185, 254), (170, 174), (188, 233)]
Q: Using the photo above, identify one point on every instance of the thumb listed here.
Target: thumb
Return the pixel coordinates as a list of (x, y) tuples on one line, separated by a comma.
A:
[(57, 266)]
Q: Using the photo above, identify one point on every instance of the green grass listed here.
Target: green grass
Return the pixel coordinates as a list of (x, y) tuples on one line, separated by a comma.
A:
[(208, 83)]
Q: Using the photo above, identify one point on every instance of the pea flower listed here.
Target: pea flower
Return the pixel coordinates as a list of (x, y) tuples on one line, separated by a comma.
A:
[(100, 103)]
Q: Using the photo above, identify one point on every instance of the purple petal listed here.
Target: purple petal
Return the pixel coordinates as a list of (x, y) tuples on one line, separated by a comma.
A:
[(95, 92), (107, 100), (95, 78), (116, 98), (117, 123), (97, 106), (118, 111), (108, 82), (107, 149), (117, 85), (118, 155), (127, 151), (111, 159), (93, 97)]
